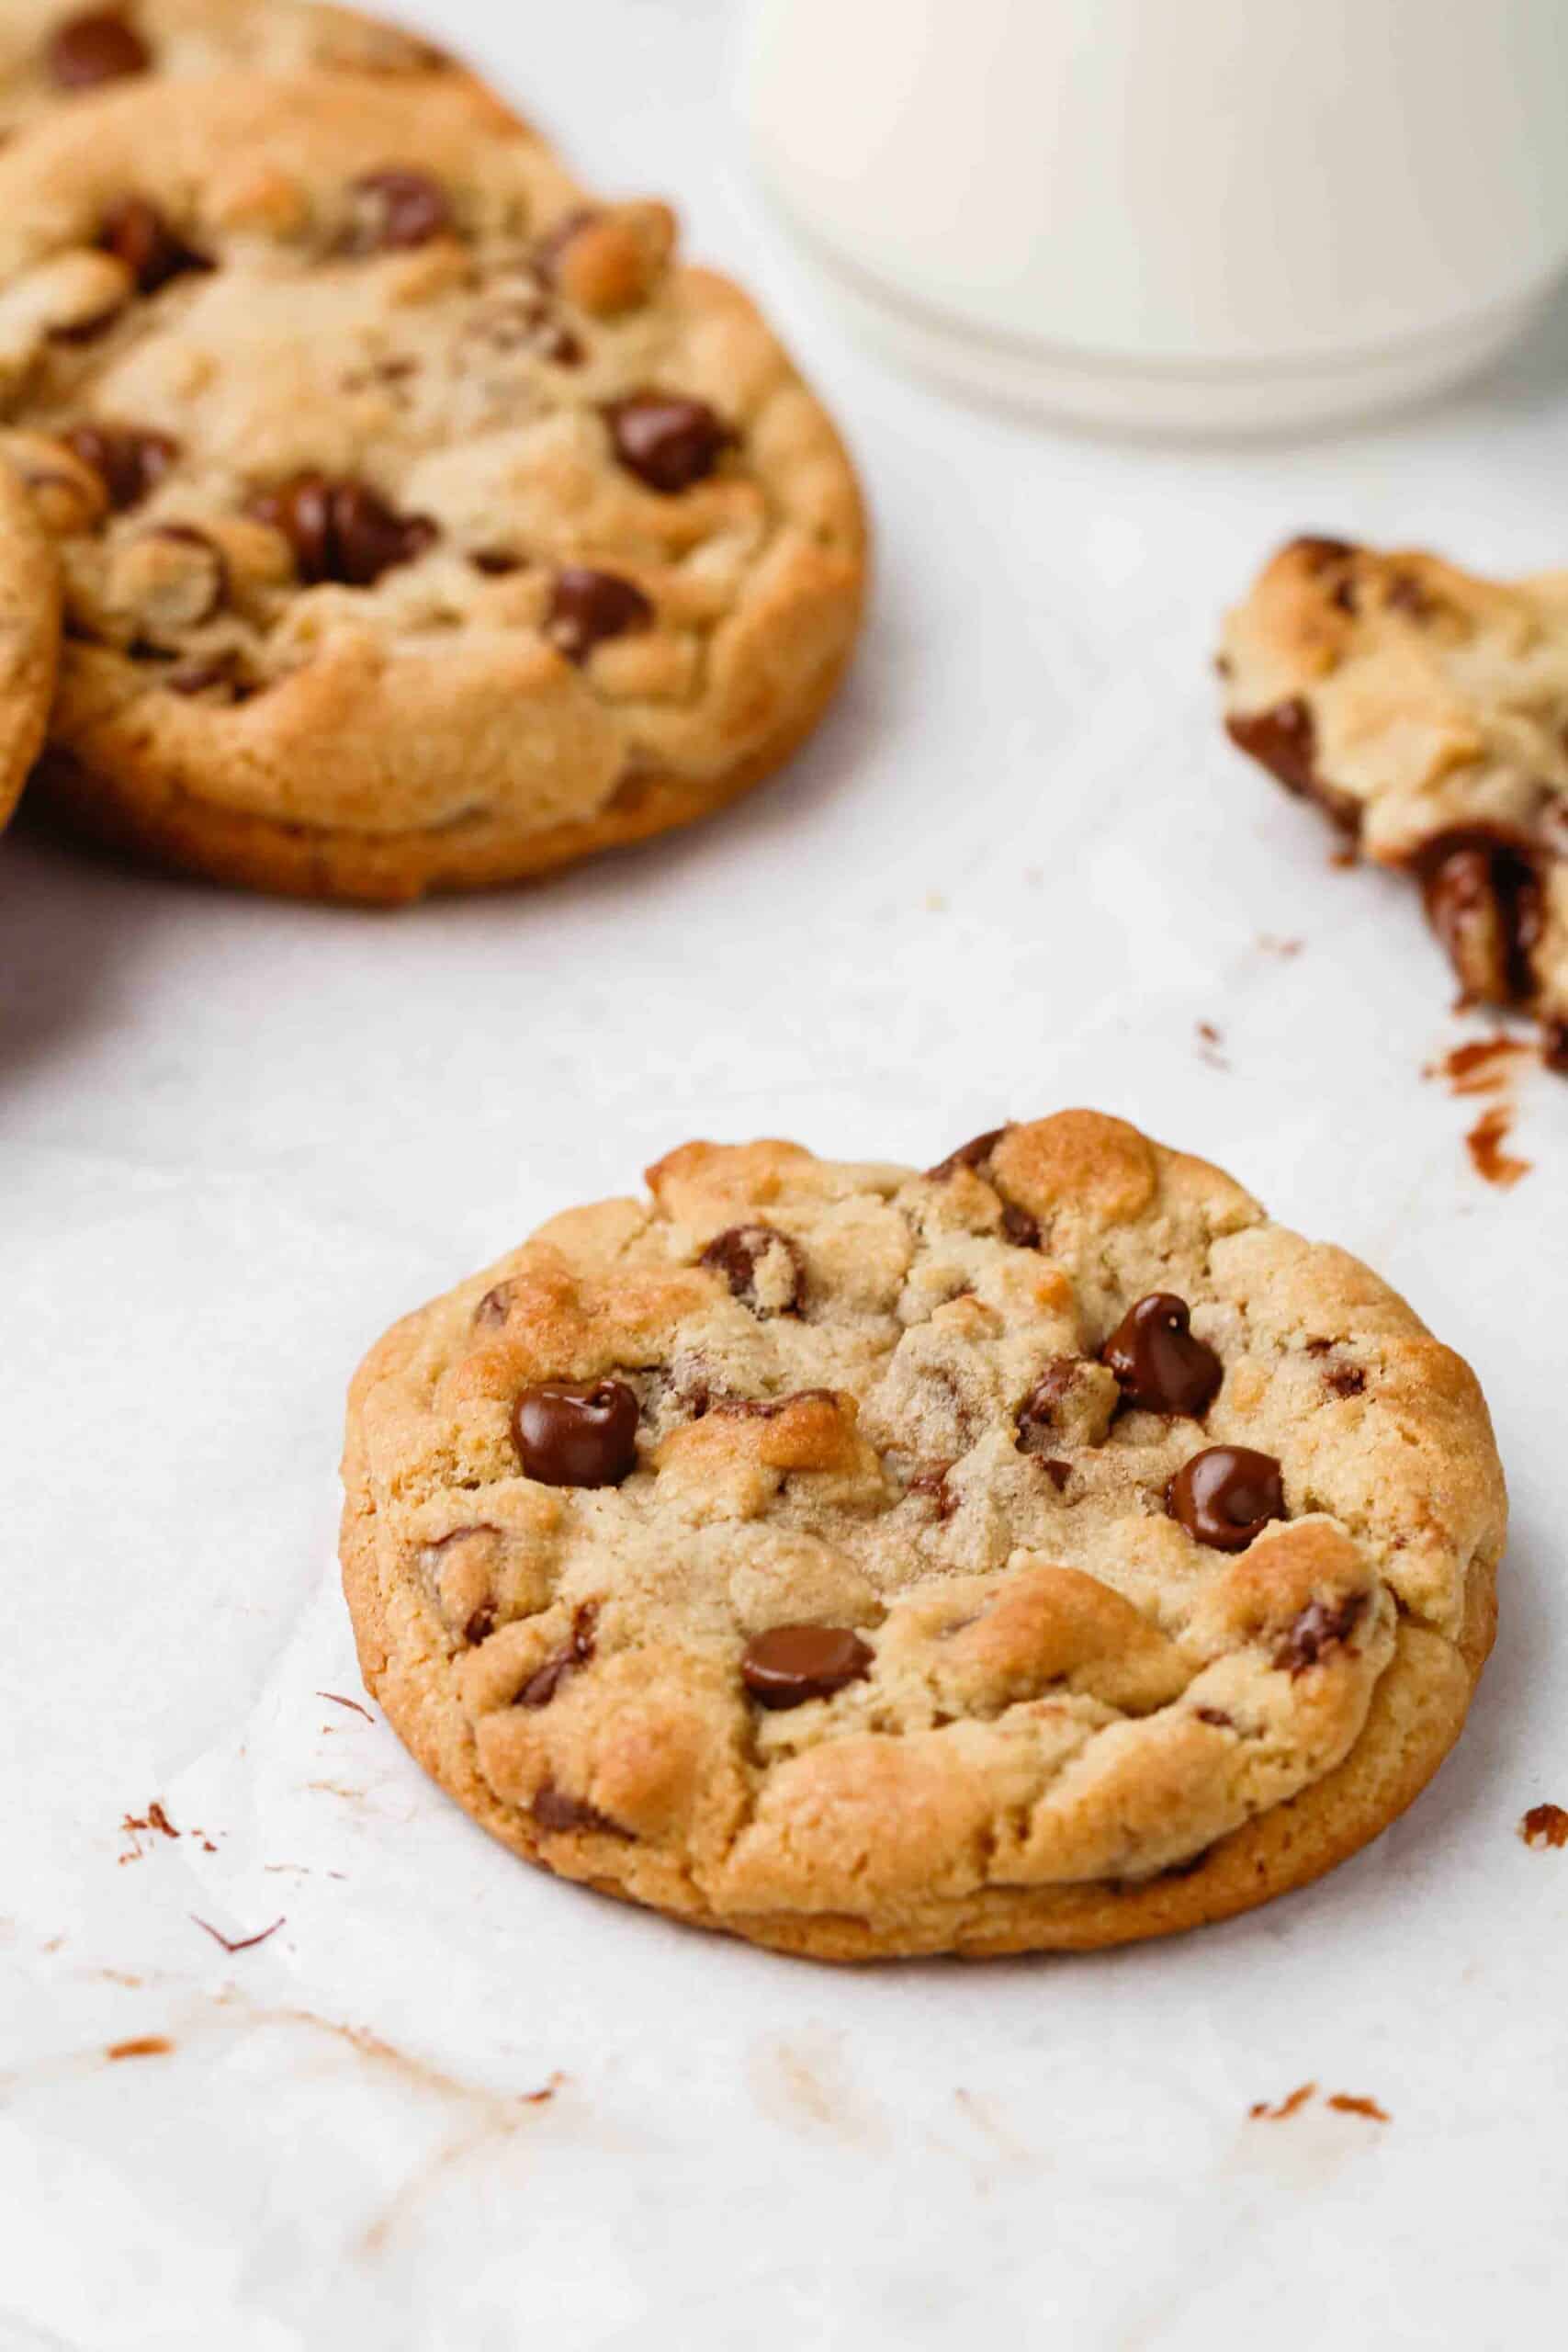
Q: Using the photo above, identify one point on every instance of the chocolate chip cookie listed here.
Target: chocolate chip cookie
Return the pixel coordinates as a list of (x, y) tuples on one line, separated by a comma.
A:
[(424, 522), (1045, 1551), (29, 636), (1426, 712), (52, 52)]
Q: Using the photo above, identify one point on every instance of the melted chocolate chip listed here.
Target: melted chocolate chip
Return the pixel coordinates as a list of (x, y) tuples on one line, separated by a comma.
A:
[(97, 46), (1322, 1625), (401, 209), (342, 530), (933, 1486), (1345, 1379), (1039, 1416), (794, 1663), (496, 563), (128, 461), (1159, 1364), (136, 234), (1227, 1495), (1058, 1472), (1019, 1228), (1216, 1716), (1285, 741), (491, 1311), (666, 441), (577, 1433), (738, 1253), (588, 607), (543, 1684), (554, 1810), (973, 1154), (1483, 900)]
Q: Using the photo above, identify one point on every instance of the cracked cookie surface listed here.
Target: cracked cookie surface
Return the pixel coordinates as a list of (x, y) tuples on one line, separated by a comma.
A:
[(29, 636), (1426, 710), (1044, 1551), (424, 522)]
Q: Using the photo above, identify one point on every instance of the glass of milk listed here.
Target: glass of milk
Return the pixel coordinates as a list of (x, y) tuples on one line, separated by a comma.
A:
[(1188, 215)]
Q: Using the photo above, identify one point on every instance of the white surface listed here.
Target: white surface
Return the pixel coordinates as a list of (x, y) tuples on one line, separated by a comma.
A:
[(1224, 185), (237, 1139)]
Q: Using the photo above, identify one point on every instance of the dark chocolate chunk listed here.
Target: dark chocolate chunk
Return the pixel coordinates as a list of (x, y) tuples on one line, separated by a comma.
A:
[(1227, 1495), (666, 441), (1159, 1364), (588, 607), (577, 1433)]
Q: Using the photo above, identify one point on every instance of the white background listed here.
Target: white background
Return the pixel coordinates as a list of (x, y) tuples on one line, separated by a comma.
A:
[(1014, 871)]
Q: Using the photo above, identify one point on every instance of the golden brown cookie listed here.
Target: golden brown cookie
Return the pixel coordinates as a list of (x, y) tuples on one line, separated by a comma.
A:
[(1043, 1552), (29, 636), (1426, 711), (425, 524)]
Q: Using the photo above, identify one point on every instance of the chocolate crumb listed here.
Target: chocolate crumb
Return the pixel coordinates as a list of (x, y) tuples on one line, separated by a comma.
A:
[(239, 1943)]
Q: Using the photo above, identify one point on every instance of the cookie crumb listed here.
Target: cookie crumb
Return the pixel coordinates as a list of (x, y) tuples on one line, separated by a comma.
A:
[(1484, 1144), (142, 2045), (1352, 2103), (1545, 1824), (1210, 1040), (545, 2093), (1262, 2110), (1284, 948), (339, 1700)]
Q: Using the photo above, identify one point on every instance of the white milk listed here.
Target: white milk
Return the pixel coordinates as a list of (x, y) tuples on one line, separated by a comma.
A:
[(1188, 214)]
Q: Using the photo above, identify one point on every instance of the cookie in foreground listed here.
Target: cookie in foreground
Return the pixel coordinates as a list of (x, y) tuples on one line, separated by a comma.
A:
[(1043, 1552), (425, 523), (1426, 711), (29, 636)]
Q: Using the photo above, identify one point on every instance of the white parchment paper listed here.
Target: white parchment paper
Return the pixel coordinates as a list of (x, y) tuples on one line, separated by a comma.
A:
[(1015, 871)]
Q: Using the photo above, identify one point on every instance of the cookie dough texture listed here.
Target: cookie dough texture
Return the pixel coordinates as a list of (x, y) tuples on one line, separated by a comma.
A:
[(29, 636), (54, 54), (424, 523), (1426, 711), (882, 1410)]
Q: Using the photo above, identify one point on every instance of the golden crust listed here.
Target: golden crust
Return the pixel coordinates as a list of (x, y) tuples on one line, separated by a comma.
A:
[(431, 726), (1075, 1725), (29, 636)]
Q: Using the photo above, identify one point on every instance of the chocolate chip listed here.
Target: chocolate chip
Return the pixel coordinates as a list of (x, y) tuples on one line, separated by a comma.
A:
[(1160, 1366), (577, 1433), (973, 1154), (136, 234), (1483, 900), (543, 1684), (400, 208), (1285, 741), (493, 1307), (97, 46), (1216, 1716), (1322, 1625), (1038, 1415), (932, 1483), (342, 530), (557, 343), (1227, 1495), (554, 1810), (126, 460), (496, 563), (587, 606), (742, 1250), (1058, 1472), (1019, 1228), (794, 1663), (666, 441), (1345, 1379)]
